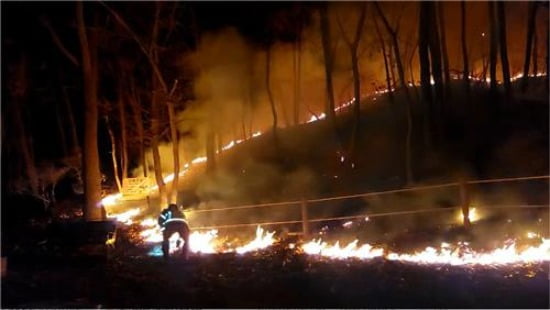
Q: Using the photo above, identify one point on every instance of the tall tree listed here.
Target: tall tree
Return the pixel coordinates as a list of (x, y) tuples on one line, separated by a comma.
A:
[(92, 175), (504, 50), (113, 154), (465, 71), (123, 135), (268, 88), (19, 90), (328, 57), (424, 60), (383, 47), (353, 45), (437, 70), (529, 43), (173, 194), (535, 52), (297, 66), (402, 85), (493, 49), (446, 71), (155, 111)]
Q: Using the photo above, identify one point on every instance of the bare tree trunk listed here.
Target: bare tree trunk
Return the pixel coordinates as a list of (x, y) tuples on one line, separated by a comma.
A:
[(20, 92), (75, 145), (435, 56), (353, 45), (92, 175), (60, 127), (535, 52), (155, 114), (113, 155), (268, 88), (504, 50), (210, 151), (173, 195), (547, 57), (528, 43), (328, 57), (383, 46), (447, 75), (123, 140), (297, 80), (155, 124), (465, 71), (424, 60), (403, 85), (392, 66), (136, 107), (493, 48)]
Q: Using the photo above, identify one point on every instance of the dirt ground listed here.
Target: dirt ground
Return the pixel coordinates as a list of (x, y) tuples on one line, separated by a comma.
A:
[(272, 278)]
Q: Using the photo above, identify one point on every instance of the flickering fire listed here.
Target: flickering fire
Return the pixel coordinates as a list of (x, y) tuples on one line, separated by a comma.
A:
[(474, 215), (263, 240), (318, 247), (447, 254)]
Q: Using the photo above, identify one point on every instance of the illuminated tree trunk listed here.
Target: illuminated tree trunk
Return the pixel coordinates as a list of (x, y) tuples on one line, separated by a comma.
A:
[(465, 71), (383, 46), (547, 57), (138, 121), (493, 48), (268, 88), (447, 75), (19, 92), (353, 45), (123, 139), (173, 195), (528, 43), (113, 155), (210, 151), (155, 115), (392, 66), (435, 56), (504, 50), (328, 57), (75, 145), (61, 129), (424, 60), (92, 175), (297, 79), (535, 52), (403, 86), (155, 128)]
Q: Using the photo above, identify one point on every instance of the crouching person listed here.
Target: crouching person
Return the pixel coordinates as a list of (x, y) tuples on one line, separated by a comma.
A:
[(172, 220)]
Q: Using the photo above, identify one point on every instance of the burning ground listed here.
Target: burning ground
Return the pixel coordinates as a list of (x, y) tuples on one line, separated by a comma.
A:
[(276, 277), (269, 269)]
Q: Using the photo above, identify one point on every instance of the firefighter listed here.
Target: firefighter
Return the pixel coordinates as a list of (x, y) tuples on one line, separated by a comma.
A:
[(172, 220)]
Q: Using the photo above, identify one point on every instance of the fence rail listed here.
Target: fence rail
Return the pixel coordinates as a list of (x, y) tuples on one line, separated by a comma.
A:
[(304, 203)]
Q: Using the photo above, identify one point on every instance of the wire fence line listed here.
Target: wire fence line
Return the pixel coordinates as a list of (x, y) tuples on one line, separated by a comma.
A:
[(306, 202)]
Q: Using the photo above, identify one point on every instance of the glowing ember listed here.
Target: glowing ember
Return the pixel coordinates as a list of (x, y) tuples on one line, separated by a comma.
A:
[(263, 240), (347, 224)]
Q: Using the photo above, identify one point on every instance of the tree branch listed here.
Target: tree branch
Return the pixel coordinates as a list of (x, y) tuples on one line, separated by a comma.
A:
[(121, 21), (58, 43), (384, 20)]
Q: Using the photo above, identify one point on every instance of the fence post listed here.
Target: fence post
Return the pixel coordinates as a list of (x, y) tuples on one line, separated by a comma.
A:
[(305, 222), (465, 203)]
